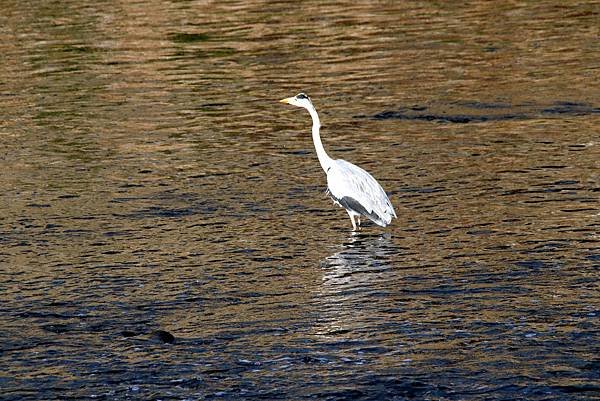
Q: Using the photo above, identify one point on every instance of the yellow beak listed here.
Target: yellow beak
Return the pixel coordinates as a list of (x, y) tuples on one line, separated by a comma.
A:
[(286, 100)]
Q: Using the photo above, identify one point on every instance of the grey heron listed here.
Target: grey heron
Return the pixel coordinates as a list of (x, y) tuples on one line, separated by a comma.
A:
[(349, 186)]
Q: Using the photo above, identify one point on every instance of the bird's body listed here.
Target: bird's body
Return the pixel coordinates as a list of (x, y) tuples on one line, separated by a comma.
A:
[(348, 185)]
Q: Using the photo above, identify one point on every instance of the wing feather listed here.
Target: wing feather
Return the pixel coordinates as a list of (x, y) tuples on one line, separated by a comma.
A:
[(344, 179)]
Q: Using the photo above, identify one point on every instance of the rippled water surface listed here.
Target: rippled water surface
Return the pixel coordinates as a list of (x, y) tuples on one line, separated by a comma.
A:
[(152, 186)]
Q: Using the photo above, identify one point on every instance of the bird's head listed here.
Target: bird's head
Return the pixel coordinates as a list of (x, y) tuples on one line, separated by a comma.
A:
[(300, 100)]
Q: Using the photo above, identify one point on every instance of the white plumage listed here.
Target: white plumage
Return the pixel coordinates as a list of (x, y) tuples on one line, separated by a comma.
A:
[(346, 180), (349, 186)]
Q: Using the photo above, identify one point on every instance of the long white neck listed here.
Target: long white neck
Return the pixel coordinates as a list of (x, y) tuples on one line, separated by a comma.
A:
[(324, 159)]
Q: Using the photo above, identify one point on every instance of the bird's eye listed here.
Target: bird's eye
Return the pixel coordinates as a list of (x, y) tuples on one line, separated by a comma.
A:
[(301, 96)]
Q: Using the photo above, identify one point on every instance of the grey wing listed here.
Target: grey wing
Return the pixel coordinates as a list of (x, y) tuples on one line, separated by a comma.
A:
[(357, 190)]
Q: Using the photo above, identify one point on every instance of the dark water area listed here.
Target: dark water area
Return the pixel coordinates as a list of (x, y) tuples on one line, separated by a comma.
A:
[(493, 112), (165, 232)]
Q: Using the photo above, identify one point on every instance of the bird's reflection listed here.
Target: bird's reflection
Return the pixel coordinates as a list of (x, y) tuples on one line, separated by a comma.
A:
[(354, 280), (359, 253)]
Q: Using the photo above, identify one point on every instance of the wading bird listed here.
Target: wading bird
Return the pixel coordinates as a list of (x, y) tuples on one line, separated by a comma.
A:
[(349, 186)]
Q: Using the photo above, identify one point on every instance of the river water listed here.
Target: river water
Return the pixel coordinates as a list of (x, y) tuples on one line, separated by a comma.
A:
[(152, 186)]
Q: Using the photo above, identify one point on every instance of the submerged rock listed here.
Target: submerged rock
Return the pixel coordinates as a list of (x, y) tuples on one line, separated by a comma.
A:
[(163, 336)]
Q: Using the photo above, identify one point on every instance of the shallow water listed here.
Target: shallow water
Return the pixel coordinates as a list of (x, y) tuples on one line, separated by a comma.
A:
[(151, 181)]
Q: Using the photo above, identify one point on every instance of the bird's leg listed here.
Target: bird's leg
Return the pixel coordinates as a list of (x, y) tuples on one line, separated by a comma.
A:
[(358, 217), (352, 220)]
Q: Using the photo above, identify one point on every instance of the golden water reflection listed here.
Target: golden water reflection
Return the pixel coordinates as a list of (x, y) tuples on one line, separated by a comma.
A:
[(152, 181)]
